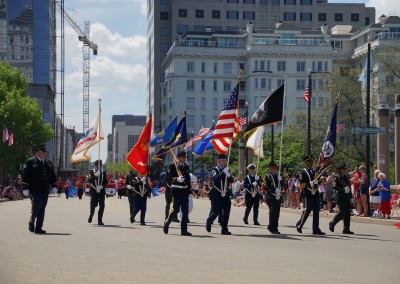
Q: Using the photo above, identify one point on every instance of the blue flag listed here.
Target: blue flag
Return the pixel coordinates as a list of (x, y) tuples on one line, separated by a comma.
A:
[(165, 135), (329, 145), (203, 146), (363, 76), (178, 138)]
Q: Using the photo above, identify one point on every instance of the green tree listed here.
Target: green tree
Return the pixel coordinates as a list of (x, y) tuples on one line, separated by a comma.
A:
[(23, 117), (118, 168)]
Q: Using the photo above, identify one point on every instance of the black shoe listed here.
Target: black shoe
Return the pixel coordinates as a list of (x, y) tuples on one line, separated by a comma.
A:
[(319, 233), (40, 231), (100, 223), (208, 226), (331, 227), (226, 232), (276, 232), (132, 220), (90, 219), (176, 221), (299, 230), (348, 232), (165, 228), (142, 223), (186, 234), (245, 221), (31, 227), (188, 220), (257, 224)]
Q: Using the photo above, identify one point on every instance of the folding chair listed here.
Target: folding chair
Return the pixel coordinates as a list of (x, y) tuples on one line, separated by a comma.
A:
[(394, 208)]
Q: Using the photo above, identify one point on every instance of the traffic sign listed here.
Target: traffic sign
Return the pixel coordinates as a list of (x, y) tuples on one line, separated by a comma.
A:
[(368, 130)]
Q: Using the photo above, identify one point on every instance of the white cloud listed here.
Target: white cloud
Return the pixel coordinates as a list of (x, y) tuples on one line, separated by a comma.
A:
[(386, 7)]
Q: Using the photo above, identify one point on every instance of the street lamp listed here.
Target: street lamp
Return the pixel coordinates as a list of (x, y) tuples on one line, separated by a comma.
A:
[(309, 88)]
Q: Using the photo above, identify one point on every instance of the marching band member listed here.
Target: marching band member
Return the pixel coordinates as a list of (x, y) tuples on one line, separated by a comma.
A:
[(98, 182), (273, 183), (251, 184)]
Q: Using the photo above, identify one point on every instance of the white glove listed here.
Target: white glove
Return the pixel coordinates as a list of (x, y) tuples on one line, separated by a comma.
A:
[(180, 179), (347, 189), (255, 183), (98, 190), (143, 179), (279, 178), (311, 183), (278, 193), (226, 171), (97, 173), (99, 187), (257, 178), (129, 186)]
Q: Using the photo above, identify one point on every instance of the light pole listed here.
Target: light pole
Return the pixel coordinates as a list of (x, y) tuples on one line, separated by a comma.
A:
[(245, 148), (367, 118), (309, 88)]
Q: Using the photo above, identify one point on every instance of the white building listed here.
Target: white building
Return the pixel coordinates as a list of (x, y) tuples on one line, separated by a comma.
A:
[(125, 137)]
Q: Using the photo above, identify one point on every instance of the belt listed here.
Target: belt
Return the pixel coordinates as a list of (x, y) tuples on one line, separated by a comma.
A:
[(178, 186)]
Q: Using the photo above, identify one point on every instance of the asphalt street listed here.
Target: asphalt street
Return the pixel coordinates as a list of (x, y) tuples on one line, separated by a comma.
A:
[(74, 251)]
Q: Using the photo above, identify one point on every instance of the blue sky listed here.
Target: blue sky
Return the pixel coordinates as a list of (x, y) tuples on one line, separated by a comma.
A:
[(118, 72)]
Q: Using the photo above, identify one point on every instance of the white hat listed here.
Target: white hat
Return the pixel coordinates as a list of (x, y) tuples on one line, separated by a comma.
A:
[(251, 166)]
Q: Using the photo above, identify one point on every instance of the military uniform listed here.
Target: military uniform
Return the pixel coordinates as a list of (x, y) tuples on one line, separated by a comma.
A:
[(97, 193), (221, 193), (180, 195), (310, 197), (251, 184), (273, 184), (343, 190), (39, 176), (129, 180), (140, 192)]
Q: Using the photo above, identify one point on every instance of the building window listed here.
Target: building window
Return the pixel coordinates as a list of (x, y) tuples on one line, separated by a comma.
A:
[(203, 67), (264, 2), (355, 17), (232, 14), (190, 66), (181, 29), (203, 103), (182, 13), (338, 17), (300, 85), (215, 86), (190, 120), (216, 14), (280, 82), (199, 13), (337, 44), (202, 120), (301, 66), (366, 21), (249, 15), (215, 103), (255, 83), (306, 17), (232, 1), (227, 68), (203, 85), (262, 65), (189, 85), (215, 67), (256, 65), (290, 2), (132, 141), (263, 84), (248, 1), (199, 28), (322, 17), (164, 47), (276, 2), (305, 2), (281, 66), (164, 16), (289, 16), (227, 86), (164, 2), (189, 103), (164, 31)]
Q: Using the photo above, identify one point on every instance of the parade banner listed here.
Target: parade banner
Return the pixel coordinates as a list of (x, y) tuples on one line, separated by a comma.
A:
[(269, 112), (166, 134), (92, 136), (139, 155)]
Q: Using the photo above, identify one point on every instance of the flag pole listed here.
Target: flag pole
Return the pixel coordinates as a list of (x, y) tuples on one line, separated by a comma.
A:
[(98, 133), (283, 118)]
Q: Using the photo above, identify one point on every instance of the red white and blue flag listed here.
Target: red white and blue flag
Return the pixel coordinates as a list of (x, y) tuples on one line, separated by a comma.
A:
[(227, 126), (5, 132), (11, 139)]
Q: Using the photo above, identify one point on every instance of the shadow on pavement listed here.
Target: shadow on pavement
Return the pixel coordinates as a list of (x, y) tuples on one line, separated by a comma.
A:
[(55, 234), (281, 236), (113, 226)]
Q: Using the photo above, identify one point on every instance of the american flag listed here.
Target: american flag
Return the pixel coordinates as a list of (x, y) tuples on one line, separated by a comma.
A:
[(5, 133), (204, 131), (11, 139), (243, 120), (227, 126), (191, 141), (306, 95), (339, 127)]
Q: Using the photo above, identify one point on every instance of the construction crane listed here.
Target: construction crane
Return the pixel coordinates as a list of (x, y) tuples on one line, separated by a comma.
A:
[(83, 36)]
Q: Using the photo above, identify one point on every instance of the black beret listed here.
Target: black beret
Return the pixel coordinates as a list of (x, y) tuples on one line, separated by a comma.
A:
[(41, 148), (342, 166), (181, 154), (221, 156), (272, 164), (97, 162), (308, 158)]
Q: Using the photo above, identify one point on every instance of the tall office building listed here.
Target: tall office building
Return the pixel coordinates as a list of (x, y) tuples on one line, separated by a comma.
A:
[(169, 20), (28, 42)]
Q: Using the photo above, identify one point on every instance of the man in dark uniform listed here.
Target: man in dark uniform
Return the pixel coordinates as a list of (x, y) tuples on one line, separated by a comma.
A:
[(181, 188), (343, 190), (98, 182), (139, 191), (130, 180), (251, 184), (310, 195), (39, 176), (273, 185), (221, 193), (168, 196)]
